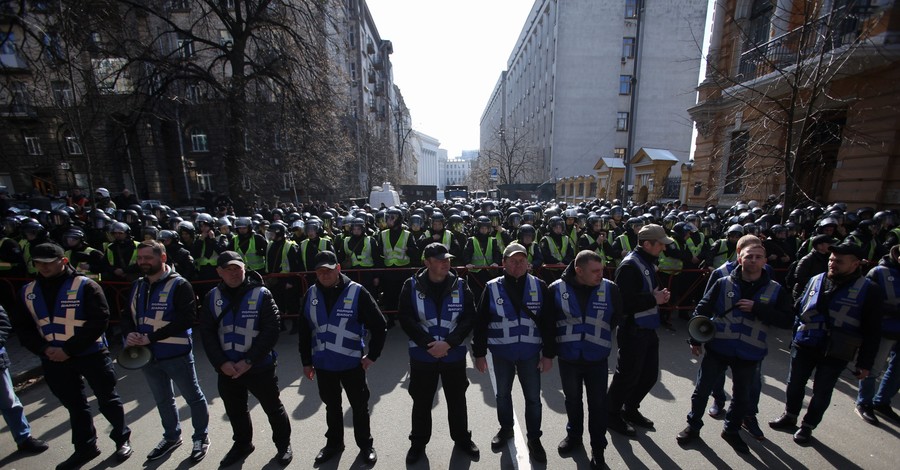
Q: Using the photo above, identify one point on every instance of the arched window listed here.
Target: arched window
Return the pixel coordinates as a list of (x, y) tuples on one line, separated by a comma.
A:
[(199, 142)]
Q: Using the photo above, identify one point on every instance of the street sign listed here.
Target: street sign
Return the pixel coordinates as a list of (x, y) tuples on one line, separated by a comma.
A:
[(495, 174)]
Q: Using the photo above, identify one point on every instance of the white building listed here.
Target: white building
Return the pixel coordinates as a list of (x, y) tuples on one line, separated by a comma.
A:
[(427, 150), (455, 170)]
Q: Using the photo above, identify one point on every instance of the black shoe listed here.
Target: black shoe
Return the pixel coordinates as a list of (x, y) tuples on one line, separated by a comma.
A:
[(751, 425), (123, 451), (237, 453), (619, 425), (784, 422), (163, 448), (803, 435), (687, 435), (568, 444), (867, 413), (79, 458), (500, 438), (327, 453), (888, 412), (597, 460), (284, 456), (536, 451), (369, 456), (414, 454), (637, 419), (470, 449), (717, 410), (201, 447), (737, 443), (32, 446)]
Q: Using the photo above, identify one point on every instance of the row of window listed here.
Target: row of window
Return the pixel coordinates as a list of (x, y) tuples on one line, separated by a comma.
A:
[(33, 144)]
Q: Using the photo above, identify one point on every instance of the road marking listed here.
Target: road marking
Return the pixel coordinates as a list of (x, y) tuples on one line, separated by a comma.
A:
[(519, 459)]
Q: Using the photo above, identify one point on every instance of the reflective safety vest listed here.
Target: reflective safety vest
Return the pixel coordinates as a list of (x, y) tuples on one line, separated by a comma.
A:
[(573, 235), (888, 279), (337, 337), (869, 247), (110, 256), (237, 326), (251, 257), (583, 335), (501, 245), (556, 251), (446, 238), (625, 243), (437, 322), (844, 311), (153, 307), (395, 256), (739, 334), (723, 255), (285, 265), (512, 334), (323, 244), (26, 255), (6, 266), (84, 268), (649, 318), (669, 264), (204, 260), (696, 248), (364, 258), (479, 257), (64, 319)]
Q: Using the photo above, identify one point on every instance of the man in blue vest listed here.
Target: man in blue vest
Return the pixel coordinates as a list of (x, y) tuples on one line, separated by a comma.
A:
[(514, 324), (638, 361), (436, 311), (239, 326), (159, 316), (61, 318), (741, 305), (840, 315), (338, 316), (587, 309)]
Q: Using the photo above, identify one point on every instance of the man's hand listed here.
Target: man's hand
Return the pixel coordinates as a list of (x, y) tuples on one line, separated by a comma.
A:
[(545, 364), (56, 354), (309, 372), (136, 339), (228, 369), (862, 373), (481, 364), (366, 362), (745, 305), (697, 349), (662, 296), (438, 349), (240, 367)]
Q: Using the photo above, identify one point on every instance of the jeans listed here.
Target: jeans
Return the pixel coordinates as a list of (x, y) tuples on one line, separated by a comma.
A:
[(883, 360), (575, 378), (12, 409), (160, 375), (718, 390), (263, 384), (423, 382), (827, 369), (712, 368), (353, 382), (530, 380)]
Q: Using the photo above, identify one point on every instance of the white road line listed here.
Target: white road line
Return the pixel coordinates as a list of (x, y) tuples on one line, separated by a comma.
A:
[(518, 448)]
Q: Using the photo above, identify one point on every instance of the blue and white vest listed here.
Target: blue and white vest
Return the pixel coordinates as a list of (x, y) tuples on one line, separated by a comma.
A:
[(739, 334), (889, 280), (67, 316), (155, 309), (238, 328), (844, 311), (438, 323), (337, 337), (583, 335), (649, 318), (511, 334)]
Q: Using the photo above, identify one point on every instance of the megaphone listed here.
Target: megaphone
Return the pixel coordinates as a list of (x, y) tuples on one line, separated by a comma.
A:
[(134, 357), (701, 329)]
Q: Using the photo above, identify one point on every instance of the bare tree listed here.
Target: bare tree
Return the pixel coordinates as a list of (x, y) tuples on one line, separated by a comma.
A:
[(511, 153)]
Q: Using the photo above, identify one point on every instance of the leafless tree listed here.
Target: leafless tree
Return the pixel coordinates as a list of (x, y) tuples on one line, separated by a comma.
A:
[(511, 153)]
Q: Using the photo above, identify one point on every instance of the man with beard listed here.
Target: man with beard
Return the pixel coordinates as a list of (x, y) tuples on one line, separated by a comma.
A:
[(160, 315)]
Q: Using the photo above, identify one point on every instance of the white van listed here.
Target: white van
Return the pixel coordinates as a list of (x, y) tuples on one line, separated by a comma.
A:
[(383, 194)]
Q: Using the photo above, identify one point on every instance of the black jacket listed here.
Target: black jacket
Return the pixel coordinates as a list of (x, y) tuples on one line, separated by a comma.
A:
[(635, 297), (779, 313)]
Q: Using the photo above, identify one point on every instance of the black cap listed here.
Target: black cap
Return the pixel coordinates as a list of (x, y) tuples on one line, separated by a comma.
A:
[(438, 251), (819, 239), (229, 257), (326, 259), (848, 249), (47, 253)]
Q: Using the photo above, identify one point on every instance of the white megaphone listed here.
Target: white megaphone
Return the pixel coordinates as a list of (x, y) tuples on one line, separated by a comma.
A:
[(701, 329)]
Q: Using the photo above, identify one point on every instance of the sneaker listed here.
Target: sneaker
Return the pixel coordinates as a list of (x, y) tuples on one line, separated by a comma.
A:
[(201, 447), (687, 435), (284, 455), (737, 443), (568, 444), (500, 438), (717, 410), (619, 425), (32, 446), (237, 453), (414, 454), (784, 422), (751, 425), (78, 459), (803, 435), (536, 451), (867, 413), (637, 419), (124, 451), (163, 448), (888, 412)]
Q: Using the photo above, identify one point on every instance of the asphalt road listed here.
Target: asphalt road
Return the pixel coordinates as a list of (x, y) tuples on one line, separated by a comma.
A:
[(842, 441)]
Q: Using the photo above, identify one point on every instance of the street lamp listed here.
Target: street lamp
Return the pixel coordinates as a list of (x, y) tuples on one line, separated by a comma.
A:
[(184, 171)]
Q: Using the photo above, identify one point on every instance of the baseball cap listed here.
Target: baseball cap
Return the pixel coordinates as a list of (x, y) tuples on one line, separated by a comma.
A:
[(654, 232), (438, 251), (47, 253), (326, 259), (819, 239), (514, 248), (847, 249), (227, 258)]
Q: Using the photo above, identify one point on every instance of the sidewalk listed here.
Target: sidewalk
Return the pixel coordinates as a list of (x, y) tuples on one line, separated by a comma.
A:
[(25, 365)]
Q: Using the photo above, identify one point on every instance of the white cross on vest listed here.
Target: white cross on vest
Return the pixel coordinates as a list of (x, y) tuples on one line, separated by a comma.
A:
[(248, 333)]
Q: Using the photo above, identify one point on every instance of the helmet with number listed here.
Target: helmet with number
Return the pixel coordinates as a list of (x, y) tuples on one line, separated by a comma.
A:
[(150, 220), (120, 227), (313, 228), (496, 217), (73, 237), (186, 227), (278, 228), (736, 230), (526, 234), (297, 225), (554, 223), (60, 218), (528, 217), (131, 217), (204, 218), (456, 223), (393, 217), (225, 222), (514, 220), (438, 221), (358, 226), (483, 224), (570, 213), (416, 222)]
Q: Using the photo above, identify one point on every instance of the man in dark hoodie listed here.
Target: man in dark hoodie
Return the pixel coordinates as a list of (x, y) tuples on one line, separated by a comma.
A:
[(814, 263), (840, 315), (61, 317), (638, 361), (239, 327), (337, 316), (436, 311)]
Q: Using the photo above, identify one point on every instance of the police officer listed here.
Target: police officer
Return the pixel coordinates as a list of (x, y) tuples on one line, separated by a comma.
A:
[(85, 259), (338, 315), (394, 248), (61, 318), (121, 254), (160, 315), (514, 324), (239, 326), (177, 256), (436, 311), (251, 246)]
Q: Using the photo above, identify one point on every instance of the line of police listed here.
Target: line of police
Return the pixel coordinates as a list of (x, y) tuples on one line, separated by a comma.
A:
[(638, 357)]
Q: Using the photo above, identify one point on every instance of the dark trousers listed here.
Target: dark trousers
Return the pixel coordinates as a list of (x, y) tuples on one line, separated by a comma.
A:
[(353, 382), (66, 381), (423, 382), (804, 361), (712, 368), (637, 369), (575, 378), (263, 384)]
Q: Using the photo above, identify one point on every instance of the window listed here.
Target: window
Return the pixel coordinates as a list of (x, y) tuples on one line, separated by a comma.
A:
[(204, 181), (33, 145), (53, 47), (245, 182), (619, 152), (353, 71), (737, 157), (621, 121), (286, 179), (229, 4), (21, 100), (225, 38), (184, 47), (81, 180), (760, 23), (630, 8), (96, 38), (580, 189), (7, 43), (624, 84), (199, 142), (73, 146), (62, 94), (627, 48), (185, 5), (281, 141), (192, 93)]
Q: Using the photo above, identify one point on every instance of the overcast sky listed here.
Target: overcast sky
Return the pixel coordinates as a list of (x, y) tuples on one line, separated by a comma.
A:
[(448, 55)]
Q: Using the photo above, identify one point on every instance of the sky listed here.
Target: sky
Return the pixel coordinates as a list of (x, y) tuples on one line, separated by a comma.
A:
[(448, 56)]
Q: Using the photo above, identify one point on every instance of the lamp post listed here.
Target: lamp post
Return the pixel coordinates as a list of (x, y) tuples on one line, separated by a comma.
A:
[(184, 171)]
